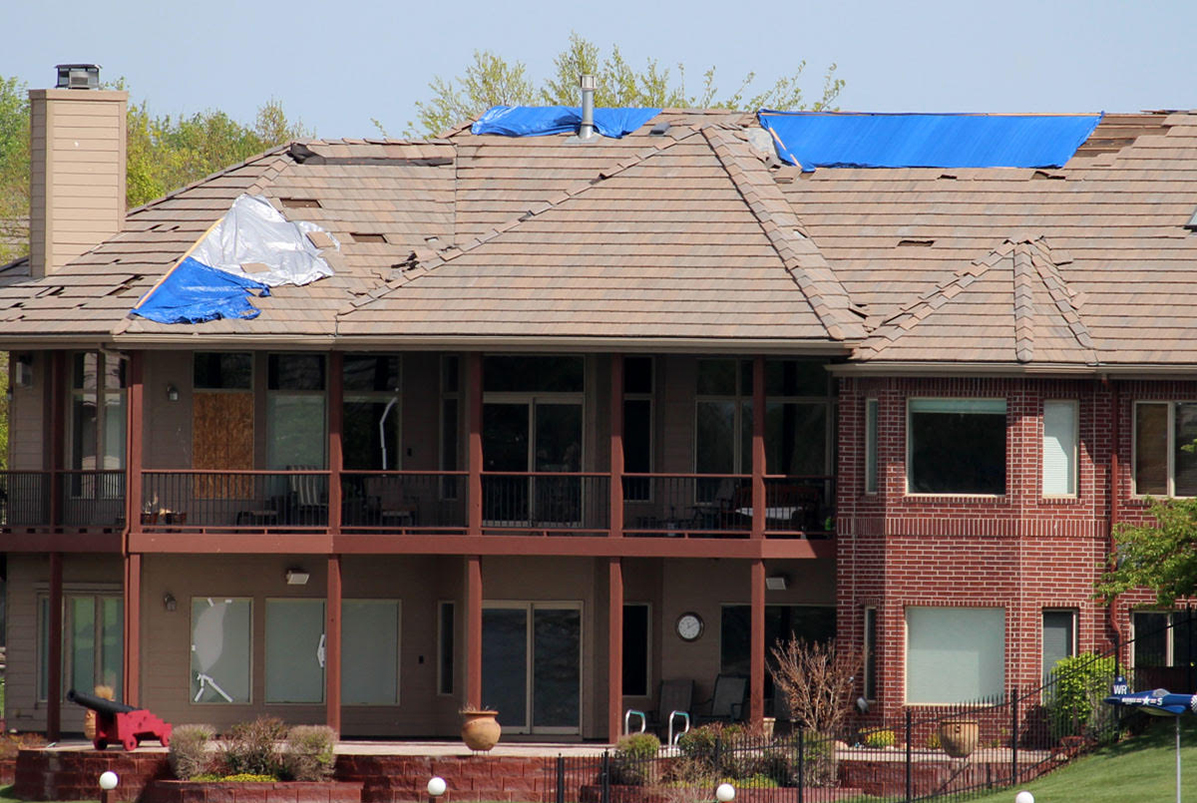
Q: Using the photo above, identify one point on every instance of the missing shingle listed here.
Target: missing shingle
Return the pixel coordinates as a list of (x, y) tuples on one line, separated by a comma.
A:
[(300, 203), (916, 243), (1042, 174), (365, 237), (948, 176)]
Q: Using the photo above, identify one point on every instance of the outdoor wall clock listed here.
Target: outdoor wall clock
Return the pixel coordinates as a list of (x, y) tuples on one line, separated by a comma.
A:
[(689, 626)]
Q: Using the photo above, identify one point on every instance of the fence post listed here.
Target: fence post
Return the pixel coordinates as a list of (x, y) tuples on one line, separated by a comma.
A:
[(606, 775), (801, 764), (909, 763), (1014, 736), (560, 778)]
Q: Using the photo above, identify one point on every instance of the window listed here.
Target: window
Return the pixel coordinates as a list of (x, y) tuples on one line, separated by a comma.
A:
[(870, 466), (450, 422), (1059, 448), (295, 411), (954, 655), (1164, 639), (92, 643), (221, 642), (446, 628), (870, 653), (223, 371), (372, 412), (810, 622), (956, 446), (1165, 457), (370, 652), (295, 650), (524, 374), (1059, 638), (636, 649), (97, 424), (638, 427)]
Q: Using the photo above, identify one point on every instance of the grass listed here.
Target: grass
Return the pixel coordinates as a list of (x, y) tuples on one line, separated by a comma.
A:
[(1140, 768), (6, 796)]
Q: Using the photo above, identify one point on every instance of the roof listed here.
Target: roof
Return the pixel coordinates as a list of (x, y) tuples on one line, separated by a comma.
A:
[(692, 236)]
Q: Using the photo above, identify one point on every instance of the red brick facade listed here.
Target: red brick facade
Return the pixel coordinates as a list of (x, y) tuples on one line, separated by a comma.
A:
[(1020, 551)]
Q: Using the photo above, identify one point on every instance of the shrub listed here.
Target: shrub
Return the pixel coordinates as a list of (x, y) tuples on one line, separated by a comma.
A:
[(1080, 683), (311, 753), (188, 755), (933, 741), (253, 747), (633, 760), (243, 777), (879, 738), (11, 743)]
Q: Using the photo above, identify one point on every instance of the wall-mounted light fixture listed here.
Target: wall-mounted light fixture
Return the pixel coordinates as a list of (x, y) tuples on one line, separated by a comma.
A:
[(22, 375), (172, 393), (297, 577), (777, 582), (168, 601)]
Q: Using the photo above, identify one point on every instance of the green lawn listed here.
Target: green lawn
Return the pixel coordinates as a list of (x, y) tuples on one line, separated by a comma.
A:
[(1141, 768)]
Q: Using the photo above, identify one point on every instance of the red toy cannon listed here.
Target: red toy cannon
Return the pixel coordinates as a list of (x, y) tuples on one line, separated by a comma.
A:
[(116, 722)]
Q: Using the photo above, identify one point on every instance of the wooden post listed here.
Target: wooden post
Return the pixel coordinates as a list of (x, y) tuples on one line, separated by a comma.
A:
[(332, 646), (617, 464), (134, 437), (336, 455), (756, 673), (131, 687), (474, 631), (54, 658), (474, 456), (758, 447), (614, 648)]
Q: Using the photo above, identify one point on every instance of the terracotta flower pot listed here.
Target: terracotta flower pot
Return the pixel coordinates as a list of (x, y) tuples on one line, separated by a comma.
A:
[(959, 737), (480, 730)]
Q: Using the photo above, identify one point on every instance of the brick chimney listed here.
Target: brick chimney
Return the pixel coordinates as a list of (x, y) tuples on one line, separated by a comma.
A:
[(77, 191)]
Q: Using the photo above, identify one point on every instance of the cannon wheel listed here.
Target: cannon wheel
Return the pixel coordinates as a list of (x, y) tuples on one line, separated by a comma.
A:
[(130, 743), (101, 744), (165, 740)]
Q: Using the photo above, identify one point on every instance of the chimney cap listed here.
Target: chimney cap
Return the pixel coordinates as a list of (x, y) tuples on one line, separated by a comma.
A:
[(78, 76), (586, 82)]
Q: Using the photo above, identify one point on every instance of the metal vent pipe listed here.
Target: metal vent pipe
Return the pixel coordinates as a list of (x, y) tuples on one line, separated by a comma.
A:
[(586, 129)]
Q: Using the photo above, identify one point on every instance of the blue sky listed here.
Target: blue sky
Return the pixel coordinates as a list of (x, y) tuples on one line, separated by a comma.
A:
[(337, 65)]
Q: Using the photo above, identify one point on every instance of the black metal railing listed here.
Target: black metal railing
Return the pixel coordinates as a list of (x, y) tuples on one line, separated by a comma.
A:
[(403, 500), (696, 505), (234, 499), (24, 499), (546, 502)]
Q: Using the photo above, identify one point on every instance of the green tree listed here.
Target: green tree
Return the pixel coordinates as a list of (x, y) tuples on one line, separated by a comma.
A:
[(1160, 556), (3, 410), (14, 169), (491, 81)]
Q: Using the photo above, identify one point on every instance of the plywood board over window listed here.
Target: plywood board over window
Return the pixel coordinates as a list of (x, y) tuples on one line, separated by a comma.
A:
[(222, 438)]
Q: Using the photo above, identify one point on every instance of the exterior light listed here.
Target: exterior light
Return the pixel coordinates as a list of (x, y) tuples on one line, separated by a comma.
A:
[(1024, 797), (168, 601), (108, 782), (436, 787), (297, 577), (725, 793), (172, 393)]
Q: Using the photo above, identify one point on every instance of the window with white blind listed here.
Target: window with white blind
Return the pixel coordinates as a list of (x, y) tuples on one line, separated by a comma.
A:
[(954, 655), (1059, 448)]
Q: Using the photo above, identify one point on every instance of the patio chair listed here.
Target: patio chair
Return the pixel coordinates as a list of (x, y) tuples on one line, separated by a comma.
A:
[(727, 700), (306, 501), (674, 698), (386, 503)]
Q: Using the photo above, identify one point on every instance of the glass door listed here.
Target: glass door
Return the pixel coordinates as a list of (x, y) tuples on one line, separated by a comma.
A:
[(505, 447), (558, 448), (531, 665), (531, 434)]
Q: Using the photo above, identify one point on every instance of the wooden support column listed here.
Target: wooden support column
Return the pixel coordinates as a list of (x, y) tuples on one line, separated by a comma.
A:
[(756, 672), (131, 688), (758, 447), (54, 659), (134, 438), (336, 455), (332, 646), (56, 407), (474, 631), (617, 466), (614, 648), (474, 456)]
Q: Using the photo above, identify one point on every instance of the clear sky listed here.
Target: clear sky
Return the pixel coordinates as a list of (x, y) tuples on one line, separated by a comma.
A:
[(335, 65)]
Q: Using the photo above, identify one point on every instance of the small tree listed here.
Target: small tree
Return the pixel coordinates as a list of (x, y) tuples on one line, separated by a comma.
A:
[(1160, 556), (817, 680)]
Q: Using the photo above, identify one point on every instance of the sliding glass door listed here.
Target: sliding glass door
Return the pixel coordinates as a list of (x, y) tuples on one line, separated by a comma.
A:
[(538, 435)]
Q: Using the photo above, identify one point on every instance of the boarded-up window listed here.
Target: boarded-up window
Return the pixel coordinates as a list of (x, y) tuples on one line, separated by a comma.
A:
[(222, 438)]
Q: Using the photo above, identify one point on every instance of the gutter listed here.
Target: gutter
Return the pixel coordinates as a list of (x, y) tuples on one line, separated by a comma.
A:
[(941, 369)]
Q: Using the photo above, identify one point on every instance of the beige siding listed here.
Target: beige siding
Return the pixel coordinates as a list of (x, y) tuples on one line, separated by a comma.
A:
[(78, 190), (167, 442)]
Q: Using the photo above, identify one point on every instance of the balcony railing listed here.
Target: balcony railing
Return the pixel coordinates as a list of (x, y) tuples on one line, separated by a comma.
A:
[(418, 502)]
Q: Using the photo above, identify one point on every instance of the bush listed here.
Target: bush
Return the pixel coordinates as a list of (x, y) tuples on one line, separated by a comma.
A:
[(1074, 698), (633, 760), (254, 747), (311, 753), (933, 741), (188, 755), (879, 738), (244, 777), (11, 743)]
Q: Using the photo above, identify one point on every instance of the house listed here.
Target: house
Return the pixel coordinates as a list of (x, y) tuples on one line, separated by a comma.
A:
[(571, 416)]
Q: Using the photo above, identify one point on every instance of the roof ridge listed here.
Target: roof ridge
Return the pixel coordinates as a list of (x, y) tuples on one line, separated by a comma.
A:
[(1024, 303), (1062, 295), (801, 258), (417, 266)]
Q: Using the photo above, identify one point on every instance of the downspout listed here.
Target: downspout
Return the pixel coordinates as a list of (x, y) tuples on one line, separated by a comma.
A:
[(1111, 557)]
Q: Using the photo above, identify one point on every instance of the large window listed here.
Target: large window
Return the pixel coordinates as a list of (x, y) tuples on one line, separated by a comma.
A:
[(92, 642), (370, 651), (1059, 448), (371, 430), (1165, 456), (221, 646), (97, 423), (1165, 639), (809, 622), (295, 411), (295, 651), (638, 426), (954, 655), (956, 446)]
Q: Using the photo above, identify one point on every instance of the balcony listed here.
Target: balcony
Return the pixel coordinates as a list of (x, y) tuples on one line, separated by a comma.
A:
[(62, 501)]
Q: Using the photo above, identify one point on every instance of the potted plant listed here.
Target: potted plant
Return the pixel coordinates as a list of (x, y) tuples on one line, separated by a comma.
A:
[(959, 737), (480, 729)]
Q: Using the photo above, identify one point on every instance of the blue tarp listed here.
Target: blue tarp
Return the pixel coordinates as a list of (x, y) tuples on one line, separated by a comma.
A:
[(539, 121), (820, 139), (194, 292)]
